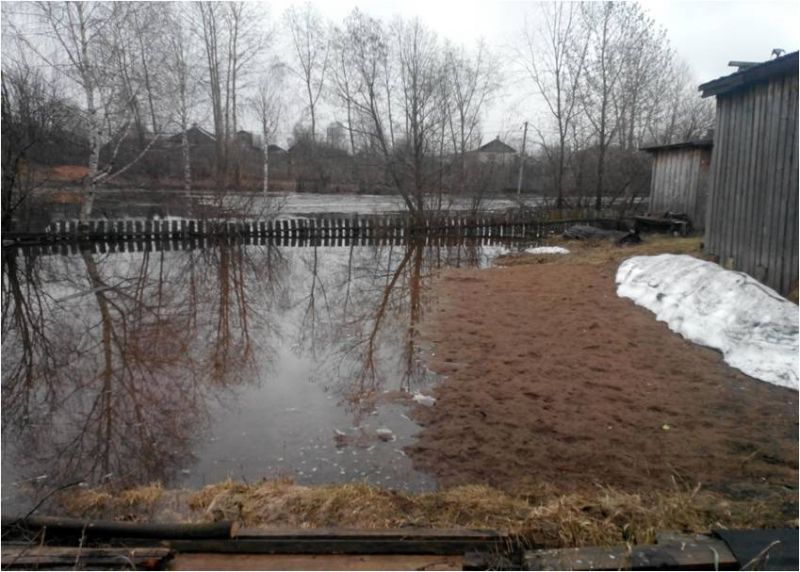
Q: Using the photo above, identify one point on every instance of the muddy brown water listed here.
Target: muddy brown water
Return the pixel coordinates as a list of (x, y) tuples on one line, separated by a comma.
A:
[(188, 367)]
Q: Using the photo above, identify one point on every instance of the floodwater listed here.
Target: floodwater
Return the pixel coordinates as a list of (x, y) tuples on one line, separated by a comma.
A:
[(310, 203), (166, 203), (191, 366)]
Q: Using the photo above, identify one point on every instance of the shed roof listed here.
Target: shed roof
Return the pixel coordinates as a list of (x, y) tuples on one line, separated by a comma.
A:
[(496, 146), (758, 73), (691, 144)]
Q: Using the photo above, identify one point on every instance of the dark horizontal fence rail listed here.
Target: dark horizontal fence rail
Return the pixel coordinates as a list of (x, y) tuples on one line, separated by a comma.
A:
[(114, 235), (197, 243)]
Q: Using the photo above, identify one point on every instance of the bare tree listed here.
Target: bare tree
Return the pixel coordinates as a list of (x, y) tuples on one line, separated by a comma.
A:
[(76, 27), (343, 77), (233, 35), (607, 26), (34, 118), (96, 44), (639, 99), (267, 104), (553, 57), (473, 80), (685, 114), (421, 72), (181, 70), (248, 34), (210, 29), (311, 49)]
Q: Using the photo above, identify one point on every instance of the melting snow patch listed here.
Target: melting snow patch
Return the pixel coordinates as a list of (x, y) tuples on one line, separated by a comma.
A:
[(547, 250), (423, 399), (755, 329), (385, 434)]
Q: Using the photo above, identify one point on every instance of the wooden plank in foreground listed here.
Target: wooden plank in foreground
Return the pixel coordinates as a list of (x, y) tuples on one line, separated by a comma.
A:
[(679, 553), (27, 557), (210, 561), (334, 541), (112, 529)]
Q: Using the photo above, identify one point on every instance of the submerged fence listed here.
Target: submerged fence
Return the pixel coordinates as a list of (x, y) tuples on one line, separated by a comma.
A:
[(320, 229), (67, 237), (198, 243)]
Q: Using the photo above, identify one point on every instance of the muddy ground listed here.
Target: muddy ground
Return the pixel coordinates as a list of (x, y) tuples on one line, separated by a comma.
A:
[(552, 378)]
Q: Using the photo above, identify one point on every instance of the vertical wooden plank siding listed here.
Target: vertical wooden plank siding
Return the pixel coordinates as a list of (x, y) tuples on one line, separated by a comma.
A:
[(788, 186), (675, 184), (752, 206)]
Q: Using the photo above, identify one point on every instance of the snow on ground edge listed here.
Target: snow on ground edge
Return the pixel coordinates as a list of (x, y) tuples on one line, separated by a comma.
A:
[(755, 328), (547, 250)]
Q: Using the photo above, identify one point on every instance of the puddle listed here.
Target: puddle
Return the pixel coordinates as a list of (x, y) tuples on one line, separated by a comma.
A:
[(187, 367)]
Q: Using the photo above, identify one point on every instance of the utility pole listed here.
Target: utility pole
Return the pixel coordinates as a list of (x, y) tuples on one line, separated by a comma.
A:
[(522, 160)]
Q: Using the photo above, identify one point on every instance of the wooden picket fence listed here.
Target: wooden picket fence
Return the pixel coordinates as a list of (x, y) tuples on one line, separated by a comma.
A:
[(103, 235), (65, 248), (322, 227)]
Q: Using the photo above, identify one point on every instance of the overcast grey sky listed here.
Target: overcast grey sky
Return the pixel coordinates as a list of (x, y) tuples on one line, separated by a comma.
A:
[(707, 34)]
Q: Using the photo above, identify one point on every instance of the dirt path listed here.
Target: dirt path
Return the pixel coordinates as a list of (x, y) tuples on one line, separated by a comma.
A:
[(551, 378)]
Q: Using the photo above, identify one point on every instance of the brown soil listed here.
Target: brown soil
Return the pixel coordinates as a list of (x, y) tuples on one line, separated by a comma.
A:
[(550, 377)]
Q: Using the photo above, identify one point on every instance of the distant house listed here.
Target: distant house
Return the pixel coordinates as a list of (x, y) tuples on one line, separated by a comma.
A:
[(752, 209), (196, 135), (496, 151), (245, 139), (679, 181), (336, 135)]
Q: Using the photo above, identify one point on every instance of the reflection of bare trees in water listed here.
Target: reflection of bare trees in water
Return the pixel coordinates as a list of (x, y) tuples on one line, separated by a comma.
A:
[(110, 361), (231, 314), (113, 378), (316, 309), (381, 319), (29, 365)]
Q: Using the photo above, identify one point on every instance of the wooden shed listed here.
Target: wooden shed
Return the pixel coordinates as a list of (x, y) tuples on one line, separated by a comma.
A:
[(752, 210), (679, 181)]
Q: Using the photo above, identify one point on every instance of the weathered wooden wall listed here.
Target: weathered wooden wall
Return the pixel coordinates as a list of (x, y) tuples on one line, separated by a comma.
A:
[(752, 211), (679, 183)]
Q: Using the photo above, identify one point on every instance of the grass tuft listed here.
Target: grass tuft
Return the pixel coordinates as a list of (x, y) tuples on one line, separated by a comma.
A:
[(538, 515)]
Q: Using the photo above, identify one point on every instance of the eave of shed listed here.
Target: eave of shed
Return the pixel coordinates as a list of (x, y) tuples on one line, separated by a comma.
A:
[(783, 65), (691, 144)]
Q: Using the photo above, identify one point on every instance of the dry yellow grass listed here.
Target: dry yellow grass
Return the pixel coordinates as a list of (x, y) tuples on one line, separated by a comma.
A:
[(602, 516)]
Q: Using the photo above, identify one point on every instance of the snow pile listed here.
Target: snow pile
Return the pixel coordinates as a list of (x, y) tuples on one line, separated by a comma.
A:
[(547, 250), (755, 329), (426, 400)]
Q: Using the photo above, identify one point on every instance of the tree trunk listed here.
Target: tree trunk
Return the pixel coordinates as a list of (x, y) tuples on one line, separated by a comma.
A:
[(266, 162), (187, 160), (90, 181)]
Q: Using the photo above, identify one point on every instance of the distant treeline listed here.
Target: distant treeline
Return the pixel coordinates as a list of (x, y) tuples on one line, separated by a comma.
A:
[(158, 94)]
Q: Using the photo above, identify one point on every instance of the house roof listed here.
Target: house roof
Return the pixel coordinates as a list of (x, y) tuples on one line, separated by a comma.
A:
[(197, 129), (692, 143), (496, 146), (783, 65), (202, 132)]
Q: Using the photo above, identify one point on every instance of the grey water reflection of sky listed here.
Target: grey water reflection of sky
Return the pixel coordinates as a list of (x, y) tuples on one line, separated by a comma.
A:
[(188, 367)]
